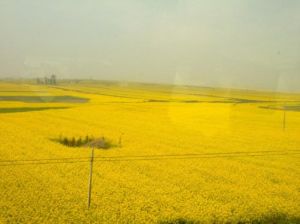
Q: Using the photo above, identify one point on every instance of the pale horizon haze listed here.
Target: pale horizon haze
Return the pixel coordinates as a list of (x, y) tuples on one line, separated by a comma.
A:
[(240, 44)]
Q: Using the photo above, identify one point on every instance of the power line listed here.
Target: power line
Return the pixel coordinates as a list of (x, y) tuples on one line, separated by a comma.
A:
[(149, 158), (37, 160), (43, 163), (196, 157), (159, 155), (199, 154)]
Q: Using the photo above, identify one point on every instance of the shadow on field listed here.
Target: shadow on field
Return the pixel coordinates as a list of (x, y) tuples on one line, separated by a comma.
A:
[(28, 109), (295, 108), (226, 100), (268, 219), (45, 99), (179, 221)]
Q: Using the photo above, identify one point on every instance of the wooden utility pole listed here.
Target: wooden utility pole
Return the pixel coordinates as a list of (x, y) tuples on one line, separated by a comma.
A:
[(90, 177)]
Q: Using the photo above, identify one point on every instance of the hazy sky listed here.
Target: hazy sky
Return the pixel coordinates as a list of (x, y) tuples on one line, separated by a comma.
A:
[(233, 43)]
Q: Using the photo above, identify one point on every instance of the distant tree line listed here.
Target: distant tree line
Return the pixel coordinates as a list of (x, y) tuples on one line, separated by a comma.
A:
[(47, 80), (100, 143), (73, 142)]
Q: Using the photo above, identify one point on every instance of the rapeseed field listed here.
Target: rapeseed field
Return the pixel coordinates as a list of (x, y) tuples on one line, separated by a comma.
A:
[(182, 155)]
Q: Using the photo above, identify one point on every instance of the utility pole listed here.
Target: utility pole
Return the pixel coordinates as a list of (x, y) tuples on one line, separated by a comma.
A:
[(120, 140), (90, 177), (284, 119)]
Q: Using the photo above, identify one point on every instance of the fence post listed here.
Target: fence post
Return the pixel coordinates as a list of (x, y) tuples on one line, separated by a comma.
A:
[(90, 178)]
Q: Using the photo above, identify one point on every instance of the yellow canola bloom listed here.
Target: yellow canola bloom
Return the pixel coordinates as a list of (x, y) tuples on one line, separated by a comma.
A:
[(150, 120)]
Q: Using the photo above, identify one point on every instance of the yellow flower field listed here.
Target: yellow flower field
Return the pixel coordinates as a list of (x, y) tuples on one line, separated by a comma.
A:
[(230, 159)]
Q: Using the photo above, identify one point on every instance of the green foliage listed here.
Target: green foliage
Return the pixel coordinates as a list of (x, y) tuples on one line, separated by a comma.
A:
[(101, 143), (88, 141), (179, 221), (266, 219)]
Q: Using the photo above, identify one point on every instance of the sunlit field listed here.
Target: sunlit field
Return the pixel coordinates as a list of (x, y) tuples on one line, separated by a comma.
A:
[(180, 154)]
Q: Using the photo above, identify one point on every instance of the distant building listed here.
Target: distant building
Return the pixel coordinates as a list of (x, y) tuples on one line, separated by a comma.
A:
[(47, 81), (53, 80)]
